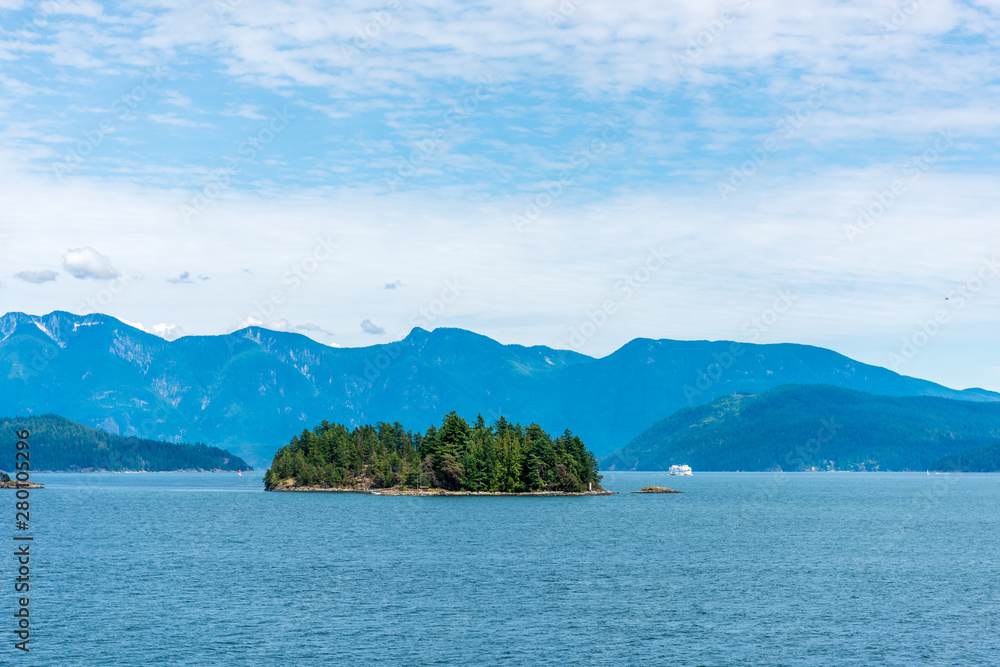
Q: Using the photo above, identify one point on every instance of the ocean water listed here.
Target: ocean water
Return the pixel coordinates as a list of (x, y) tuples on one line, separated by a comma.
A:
[(741, 569)]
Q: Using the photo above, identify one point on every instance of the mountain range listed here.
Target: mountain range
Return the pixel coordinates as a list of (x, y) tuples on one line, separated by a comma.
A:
[(802, 427), (251, 390)]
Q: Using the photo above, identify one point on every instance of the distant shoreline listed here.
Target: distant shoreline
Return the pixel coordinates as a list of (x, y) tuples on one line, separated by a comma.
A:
[(796, 472), (437, 492), (135, 472)]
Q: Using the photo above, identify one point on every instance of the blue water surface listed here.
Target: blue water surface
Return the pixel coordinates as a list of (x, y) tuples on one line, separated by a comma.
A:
[(740, 569)]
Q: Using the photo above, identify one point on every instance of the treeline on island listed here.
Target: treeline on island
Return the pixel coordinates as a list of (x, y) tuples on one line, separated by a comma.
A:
[(58, 444), (502, 457)]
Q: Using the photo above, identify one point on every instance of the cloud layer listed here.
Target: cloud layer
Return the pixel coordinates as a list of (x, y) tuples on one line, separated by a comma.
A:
[(517, 164)]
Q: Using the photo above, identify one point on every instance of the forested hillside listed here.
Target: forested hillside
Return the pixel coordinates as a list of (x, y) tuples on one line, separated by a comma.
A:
[(59, 444), (797, 427), (981, 459), (504, 457)]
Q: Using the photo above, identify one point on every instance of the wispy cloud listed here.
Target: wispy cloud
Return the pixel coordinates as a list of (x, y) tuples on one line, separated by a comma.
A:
[(700, 86), (183, 279), (251, 111), (177, 99), (178, 121), (36, 277), (370, 327), (166, 331), (314, 331)]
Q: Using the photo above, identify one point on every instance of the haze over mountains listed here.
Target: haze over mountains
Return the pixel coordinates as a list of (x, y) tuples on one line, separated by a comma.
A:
[(251, 390)]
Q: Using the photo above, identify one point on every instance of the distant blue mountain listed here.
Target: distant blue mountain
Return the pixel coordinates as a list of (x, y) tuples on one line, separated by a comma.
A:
[(251, 390)]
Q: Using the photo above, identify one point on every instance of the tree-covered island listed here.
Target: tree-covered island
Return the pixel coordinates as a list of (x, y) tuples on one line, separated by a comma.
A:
[(456, 458)]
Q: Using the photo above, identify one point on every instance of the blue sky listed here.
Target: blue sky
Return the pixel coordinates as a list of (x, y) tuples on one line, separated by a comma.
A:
[(574, 173)]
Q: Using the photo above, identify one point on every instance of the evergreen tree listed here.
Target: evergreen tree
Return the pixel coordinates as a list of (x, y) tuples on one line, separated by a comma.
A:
[(505, 458)]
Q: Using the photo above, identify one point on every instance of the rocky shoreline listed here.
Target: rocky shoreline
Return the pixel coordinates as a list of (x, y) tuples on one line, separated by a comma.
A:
[(438, 492), (20, 485)]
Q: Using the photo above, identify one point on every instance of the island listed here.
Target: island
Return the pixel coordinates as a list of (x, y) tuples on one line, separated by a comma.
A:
[(455, 459), (7, 483), (62, 445), (656, 489)]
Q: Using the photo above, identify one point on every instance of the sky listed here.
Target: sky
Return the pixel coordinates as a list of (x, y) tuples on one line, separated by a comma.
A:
[(573, 173)]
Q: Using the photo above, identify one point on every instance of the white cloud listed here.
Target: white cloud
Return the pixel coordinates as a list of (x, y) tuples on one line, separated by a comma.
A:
[(370, 327), (183, 279), (690, 121), (36, 277), (174, 119), (85, 8), (251, 111), (165, 331), (316, 332), (311, 330), (781, 231), (19, 88), (177, 99), (89, 263)]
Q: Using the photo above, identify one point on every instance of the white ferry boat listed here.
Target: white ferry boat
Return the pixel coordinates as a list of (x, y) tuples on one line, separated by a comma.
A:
[(680, 470)]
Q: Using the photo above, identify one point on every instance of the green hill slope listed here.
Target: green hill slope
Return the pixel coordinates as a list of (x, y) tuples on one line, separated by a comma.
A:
[(59, 444), (797, 427), (981, 459)]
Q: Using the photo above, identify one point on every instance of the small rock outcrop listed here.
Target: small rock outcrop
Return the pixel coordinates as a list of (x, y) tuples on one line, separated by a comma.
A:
[(656, 489), (22, 485)]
